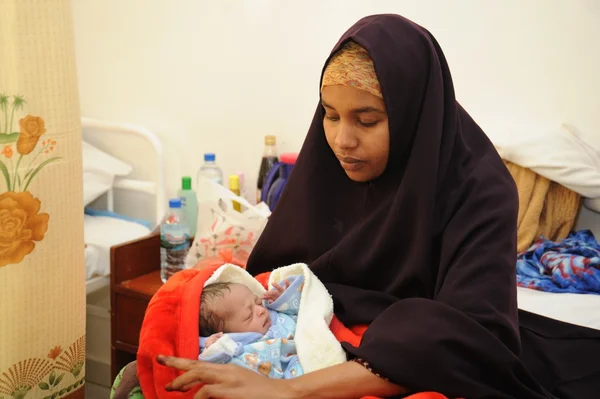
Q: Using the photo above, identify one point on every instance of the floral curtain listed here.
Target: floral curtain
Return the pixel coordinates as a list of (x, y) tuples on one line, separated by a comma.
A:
[(42, 273)]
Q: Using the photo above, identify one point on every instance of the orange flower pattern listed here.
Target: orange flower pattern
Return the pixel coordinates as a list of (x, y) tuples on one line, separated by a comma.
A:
[(20, 226), (40, 377), (54, 352), (48, 146), (32, 128), (226, 243), (21, 223), (7, 151)]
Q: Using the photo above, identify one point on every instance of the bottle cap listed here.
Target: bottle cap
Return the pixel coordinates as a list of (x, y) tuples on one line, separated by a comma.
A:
[(270, 140), (289, 158), (234, 182), (186, 183), (175, 203), (209, 157)]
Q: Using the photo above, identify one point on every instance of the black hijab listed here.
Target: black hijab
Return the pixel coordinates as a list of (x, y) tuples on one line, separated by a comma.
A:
[(424, 254)]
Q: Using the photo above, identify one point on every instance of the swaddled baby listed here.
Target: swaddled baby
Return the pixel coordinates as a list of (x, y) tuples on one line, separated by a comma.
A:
[(238, 327)]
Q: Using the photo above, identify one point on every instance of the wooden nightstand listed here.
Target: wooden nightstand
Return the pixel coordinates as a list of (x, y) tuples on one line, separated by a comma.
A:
[(134, 278)]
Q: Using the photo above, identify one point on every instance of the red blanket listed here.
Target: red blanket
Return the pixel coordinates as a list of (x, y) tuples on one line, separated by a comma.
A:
[(170, 328)]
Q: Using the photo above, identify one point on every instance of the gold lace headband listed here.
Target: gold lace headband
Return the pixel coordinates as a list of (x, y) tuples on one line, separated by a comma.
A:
[(352, 66)]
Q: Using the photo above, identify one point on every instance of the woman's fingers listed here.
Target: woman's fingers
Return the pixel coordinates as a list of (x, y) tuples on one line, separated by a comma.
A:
[(176, 362), (187, 387), (184, 388), (203, 372), (209, 392), (195, 372), (220, 381)]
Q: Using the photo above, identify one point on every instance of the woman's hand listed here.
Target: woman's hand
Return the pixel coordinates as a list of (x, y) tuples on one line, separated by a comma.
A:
[(227, 381), (224, 381)]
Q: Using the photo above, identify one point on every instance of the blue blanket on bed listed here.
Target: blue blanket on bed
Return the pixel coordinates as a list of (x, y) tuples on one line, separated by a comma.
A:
[(571, 265)]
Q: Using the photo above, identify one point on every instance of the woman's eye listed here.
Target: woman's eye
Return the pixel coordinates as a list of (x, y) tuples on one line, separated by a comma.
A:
[(332, 118), (368, 123)]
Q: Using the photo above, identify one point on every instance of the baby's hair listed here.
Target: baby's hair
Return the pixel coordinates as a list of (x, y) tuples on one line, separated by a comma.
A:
[(209, 322)]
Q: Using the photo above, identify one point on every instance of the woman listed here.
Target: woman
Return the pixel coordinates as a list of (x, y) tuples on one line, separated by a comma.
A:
[(402, 207)]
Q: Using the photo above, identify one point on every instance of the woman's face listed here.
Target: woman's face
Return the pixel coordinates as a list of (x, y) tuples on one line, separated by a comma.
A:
[(356, 128)]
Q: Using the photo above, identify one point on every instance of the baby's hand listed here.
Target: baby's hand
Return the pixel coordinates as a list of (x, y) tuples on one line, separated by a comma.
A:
[(276, 291), (212, 339)]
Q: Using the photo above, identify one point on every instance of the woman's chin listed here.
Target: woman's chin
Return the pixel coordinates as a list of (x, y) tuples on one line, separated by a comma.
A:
[(358, 176)]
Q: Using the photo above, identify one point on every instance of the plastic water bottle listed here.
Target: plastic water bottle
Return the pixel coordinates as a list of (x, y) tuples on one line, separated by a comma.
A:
[(210, 169), (174, 241), (189, 204)]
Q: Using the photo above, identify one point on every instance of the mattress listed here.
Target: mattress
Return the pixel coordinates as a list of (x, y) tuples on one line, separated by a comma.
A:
[(101, 233), (580, 309)]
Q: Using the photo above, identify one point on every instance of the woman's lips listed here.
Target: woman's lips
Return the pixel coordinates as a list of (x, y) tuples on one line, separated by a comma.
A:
[(351, 164)]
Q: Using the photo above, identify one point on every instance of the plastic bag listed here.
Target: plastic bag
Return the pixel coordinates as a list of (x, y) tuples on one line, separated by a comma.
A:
[(222, 232)]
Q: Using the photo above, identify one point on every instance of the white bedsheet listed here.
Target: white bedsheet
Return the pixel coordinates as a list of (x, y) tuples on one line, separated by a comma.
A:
[(579, 309), (101, 233)]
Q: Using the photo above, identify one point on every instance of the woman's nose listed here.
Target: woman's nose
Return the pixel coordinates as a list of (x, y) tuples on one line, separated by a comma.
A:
[(345, 138)]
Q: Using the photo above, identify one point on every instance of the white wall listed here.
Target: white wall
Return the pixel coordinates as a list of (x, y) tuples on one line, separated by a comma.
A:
[(219, 75)]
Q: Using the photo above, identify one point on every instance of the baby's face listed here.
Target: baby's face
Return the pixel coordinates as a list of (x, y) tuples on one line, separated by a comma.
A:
[(242, 311)]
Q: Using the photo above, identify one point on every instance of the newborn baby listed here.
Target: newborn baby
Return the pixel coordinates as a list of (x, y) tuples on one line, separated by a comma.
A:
[(239, 327)]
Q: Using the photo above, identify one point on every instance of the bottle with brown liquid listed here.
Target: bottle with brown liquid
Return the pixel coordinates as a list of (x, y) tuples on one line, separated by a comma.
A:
[(268, 160)]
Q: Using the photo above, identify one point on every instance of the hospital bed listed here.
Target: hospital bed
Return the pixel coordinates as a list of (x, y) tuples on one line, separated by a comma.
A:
[(124, 198)]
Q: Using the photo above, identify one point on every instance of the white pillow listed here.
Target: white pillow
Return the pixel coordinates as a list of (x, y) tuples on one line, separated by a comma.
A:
[(100, 234), (560, 154), (592, 204), (99, 171)]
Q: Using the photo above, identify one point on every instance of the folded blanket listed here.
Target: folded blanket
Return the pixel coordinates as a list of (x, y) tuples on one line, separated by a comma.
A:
[(571, 265), (546, 208)]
